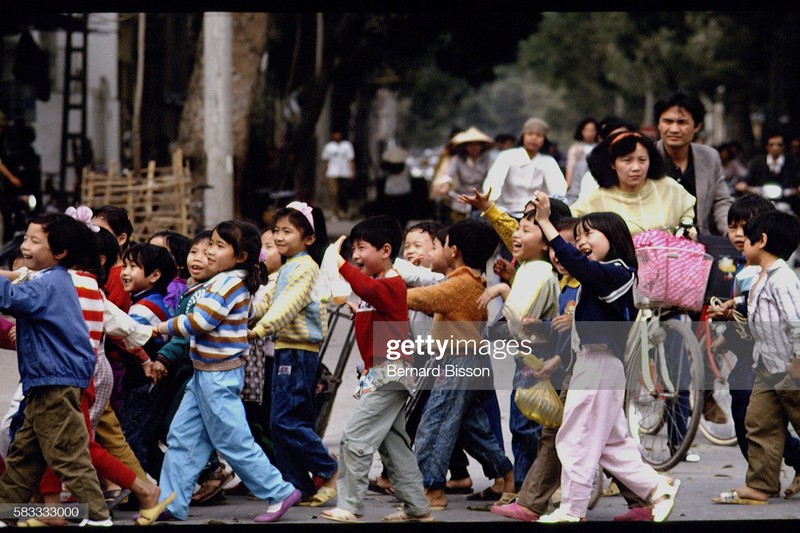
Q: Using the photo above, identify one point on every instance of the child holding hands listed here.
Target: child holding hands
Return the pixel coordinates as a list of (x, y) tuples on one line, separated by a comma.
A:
[(593, 429), (378, 421), (211, 415), (773, 315)]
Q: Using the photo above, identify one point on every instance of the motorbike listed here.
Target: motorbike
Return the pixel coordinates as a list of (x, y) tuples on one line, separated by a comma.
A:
[(782, 197)]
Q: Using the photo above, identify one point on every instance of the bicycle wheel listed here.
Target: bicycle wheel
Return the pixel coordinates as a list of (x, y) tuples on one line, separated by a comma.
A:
[(723, 434), (663, 420), (649, 417)]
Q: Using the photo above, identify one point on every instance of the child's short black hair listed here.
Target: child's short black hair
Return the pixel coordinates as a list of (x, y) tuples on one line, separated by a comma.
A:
[(566, 223), (441, 235), (178, 245), (475, 239), (615, 229), (107, 247), (117, 219), (431, 227), (746, 207), (558, 210), (204, 235), (151, 258), (377, 231), (64, 233), (299, 221), (782, 231)]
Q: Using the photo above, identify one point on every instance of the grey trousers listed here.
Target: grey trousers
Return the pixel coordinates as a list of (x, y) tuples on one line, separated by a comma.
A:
[(379, 423)]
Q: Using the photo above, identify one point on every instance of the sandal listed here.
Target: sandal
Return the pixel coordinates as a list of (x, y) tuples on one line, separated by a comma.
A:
[(515, 511), (374, 487), (793, 489), (115, 496), (323, 496), (340, 515), (148, 516), (732, 497), (402, 516), (665, 492), (506, 498), (486, 495), (213, 485)]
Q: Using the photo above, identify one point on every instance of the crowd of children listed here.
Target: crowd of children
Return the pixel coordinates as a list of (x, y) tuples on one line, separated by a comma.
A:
[(208, 347)]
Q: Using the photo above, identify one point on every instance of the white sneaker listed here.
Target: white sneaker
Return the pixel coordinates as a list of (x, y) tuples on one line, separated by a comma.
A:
[(691, 457), (558, 516), (668, 492), (96, 523)]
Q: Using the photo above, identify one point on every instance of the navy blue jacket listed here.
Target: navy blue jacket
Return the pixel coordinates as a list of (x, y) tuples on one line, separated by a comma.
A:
[(605, 298), (53, 347)]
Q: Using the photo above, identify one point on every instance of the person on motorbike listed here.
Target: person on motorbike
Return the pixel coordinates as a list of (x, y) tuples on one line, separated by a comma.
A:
[(774, 175)]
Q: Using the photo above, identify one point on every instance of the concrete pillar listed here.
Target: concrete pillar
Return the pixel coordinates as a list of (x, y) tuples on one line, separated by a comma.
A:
[(217, 129)]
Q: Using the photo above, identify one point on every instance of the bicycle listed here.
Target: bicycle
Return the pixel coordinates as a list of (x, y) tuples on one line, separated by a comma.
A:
[(721, 364), (663, 360)]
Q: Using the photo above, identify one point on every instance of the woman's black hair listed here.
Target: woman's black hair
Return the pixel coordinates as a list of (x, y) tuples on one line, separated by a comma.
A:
[(601, 159), (178, 245), (616, 231), (299, 221), (118, 221), (582, 124), (245, 238), (108, 247)]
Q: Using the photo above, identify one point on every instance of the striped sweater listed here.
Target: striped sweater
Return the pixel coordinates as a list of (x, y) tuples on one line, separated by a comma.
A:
[(292, 310), (92, 304), (217, 324)]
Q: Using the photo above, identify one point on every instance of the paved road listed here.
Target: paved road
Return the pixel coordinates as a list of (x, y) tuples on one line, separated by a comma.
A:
[(720, 468)]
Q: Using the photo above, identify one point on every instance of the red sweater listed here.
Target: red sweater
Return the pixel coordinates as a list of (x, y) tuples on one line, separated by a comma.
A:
[(382, 300), (116, 294)]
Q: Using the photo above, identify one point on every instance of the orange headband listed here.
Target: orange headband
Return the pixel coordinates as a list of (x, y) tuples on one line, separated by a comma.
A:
[(623, 135)]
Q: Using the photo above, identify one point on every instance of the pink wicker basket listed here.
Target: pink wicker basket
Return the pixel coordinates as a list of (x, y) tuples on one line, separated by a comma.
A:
[(673, 272)]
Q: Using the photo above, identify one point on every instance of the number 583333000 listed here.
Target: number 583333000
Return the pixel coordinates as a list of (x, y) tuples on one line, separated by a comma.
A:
[(20, 511)]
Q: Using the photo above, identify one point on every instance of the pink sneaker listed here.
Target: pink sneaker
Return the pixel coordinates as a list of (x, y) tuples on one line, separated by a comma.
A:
[(515, 511), (636, 514)]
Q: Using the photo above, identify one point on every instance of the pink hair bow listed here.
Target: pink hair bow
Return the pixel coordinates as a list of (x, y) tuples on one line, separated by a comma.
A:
[(82, 214), (305, 209)]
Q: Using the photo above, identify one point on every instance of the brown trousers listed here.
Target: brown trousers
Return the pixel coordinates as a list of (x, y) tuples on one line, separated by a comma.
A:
[(544, 476), (108, 434), (54, 433), (774, 402)]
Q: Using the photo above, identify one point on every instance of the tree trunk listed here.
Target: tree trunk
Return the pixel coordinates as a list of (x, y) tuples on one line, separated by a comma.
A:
[(249, 44), (293, 166)]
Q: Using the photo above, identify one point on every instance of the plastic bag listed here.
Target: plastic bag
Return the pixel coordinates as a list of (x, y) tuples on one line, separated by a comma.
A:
[(541, 404), (336, 288)]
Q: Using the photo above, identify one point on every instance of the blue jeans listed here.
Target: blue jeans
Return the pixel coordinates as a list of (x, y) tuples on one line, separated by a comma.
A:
[(455, 408), (298, 449), (211, 416), (458, 460), (525, 435)]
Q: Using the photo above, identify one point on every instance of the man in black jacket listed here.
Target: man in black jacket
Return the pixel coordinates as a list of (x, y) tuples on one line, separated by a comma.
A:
[(776, 166)]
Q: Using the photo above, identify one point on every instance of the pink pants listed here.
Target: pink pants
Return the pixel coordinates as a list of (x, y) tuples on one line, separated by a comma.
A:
[(594, 431)]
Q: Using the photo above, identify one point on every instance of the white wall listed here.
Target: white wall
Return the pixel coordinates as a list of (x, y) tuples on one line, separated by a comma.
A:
[(102, 95)]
